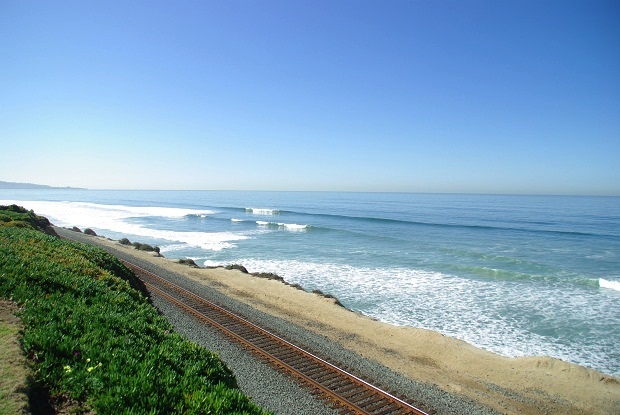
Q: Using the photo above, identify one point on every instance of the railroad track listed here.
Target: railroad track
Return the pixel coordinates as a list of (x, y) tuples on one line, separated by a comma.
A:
[(339, 389)]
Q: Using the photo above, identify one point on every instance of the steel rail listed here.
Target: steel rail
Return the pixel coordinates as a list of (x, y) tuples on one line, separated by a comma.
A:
[(353, 396)]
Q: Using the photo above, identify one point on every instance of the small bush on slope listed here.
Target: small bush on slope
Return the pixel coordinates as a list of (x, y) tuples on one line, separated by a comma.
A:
[(18, 217)]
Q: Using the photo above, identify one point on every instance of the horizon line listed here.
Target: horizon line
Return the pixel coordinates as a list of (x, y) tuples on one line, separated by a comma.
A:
[(52, 188)]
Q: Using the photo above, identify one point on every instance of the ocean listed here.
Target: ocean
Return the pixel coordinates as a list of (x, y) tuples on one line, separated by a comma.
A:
[(516, 275)]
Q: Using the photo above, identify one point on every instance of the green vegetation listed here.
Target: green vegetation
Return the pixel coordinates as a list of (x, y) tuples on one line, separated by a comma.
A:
[(266, 275), (188, 261), (237, 267), (93, 339), (139, 246), (17, 217), (330, 296), (145, 247), (269, 276)]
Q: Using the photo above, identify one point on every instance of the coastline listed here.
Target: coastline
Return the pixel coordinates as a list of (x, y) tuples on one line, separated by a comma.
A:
[(528, 385)]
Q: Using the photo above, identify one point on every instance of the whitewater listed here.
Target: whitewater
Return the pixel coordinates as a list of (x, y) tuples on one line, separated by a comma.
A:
[(516, 275)]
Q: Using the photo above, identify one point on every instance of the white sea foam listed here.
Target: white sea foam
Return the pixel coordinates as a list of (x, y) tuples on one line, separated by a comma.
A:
[(115, 218), (236, 220), (478, 312), (293, 226), (80, 211), (514, 313), (288, 226), (172, 248), (613, 285), (260, 211)]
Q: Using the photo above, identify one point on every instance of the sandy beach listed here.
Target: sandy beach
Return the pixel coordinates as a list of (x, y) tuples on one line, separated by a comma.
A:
[(529, 385)]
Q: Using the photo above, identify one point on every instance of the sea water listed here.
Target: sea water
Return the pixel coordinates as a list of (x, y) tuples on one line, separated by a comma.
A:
[(516, 275)]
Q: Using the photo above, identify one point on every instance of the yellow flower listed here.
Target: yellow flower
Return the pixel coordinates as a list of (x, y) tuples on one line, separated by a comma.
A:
[(67, 369), (90, 369)]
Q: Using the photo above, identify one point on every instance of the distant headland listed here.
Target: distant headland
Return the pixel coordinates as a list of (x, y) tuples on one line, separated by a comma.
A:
[(13, 185)]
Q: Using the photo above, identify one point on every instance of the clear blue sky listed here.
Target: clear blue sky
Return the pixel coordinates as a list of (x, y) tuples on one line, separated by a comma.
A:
[(481, 96)]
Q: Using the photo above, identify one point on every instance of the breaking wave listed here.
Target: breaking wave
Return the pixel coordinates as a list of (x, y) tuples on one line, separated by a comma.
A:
[(278, 225), (260, 211), (117, 219), (612, 285)]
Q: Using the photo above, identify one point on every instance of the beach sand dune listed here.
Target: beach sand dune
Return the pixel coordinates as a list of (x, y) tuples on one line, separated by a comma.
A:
[(528, 385)]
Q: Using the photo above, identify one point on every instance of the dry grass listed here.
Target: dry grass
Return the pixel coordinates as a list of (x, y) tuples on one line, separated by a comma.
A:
[(13, 369)]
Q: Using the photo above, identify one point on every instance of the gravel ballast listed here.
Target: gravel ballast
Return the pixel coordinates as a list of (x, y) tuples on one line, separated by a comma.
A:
[(269, 388)]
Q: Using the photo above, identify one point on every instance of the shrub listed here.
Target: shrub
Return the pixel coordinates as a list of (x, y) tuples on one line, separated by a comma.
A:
[(237, 267), (322, 294), (188, 261), (146, 247), (143, 247), (19, 217), (139, 246), (97, 342), (268, 275)]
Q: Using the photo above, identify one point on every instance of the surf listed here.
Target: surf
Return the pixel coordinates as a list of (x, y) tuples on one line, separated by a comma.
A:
[(281, 225), (612, 285)]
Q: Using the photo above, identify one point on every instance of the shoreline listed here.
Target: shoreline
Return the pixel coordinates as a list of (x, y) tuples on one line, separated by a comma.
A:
[(521, 385)]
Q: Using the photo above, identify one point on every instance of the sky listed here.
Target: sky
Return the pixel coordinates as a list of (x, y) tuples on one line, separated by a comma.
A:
[(472, 96)]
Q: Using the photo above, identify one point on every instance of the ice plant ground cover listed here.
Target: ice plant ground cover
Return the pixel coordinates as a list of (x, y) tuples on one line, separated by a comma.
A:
[(92, 337)]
